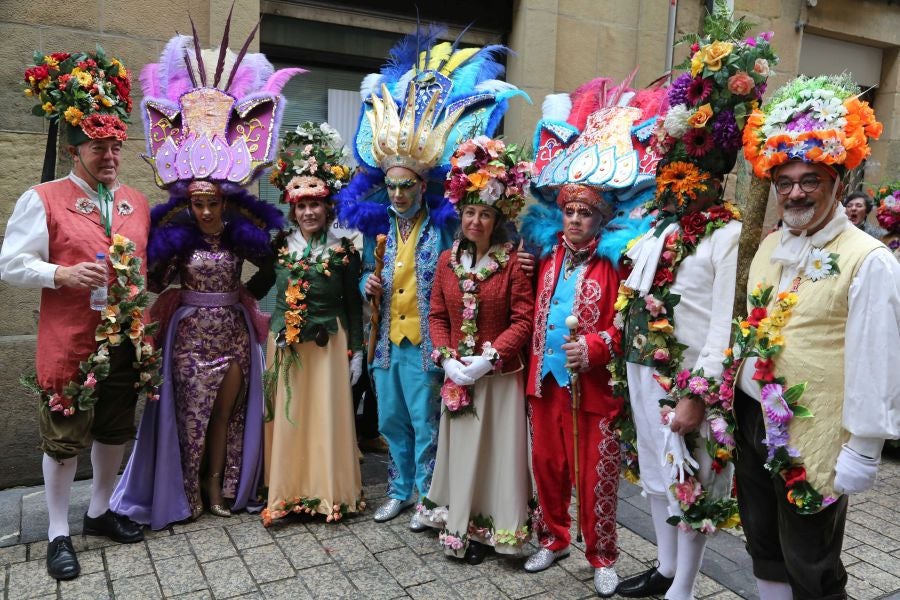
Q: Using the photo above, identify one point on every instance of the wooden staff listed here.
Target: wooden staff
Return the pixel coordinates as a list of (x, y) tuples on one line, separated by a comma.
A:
[(572, 324), (375, 319)]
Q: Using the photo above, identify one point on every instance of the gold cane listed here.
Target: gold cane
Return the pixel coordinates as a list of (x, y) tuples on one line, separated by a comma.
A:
[(375, 319), (572, 324)]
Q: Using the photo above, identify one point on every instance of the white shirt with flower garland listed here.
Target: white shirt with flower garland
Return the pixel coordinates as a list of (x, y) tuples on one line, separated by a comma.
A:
[(872, 338), (24, 257)]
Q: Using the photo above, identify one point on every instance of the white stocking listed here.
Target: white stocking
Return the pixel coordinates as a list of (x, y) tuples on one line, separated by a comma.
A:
[(774, 590), (105, 460), (666, 535), (58, 478), (690, 554)]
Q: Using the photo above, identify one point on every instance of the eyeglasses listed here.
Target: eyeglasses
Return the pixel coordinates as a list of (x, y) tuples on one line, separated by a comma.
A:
[(807, 184)]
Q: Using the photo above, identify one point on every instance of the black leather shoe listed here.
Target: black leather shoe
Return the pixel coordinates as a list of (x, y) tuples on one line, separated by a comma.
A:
[(116, 527), (642, 585), (61, 560), (476, 552)]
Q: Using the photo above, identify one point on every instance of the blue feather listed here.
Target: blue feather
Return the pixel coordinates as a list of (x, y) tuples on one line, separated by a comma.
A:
[(540, 227), (405, 53)]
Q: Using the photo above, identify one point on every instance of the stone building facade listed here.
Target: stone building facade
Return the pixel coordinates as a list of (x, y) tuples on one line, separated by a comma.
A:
[(558, 45)]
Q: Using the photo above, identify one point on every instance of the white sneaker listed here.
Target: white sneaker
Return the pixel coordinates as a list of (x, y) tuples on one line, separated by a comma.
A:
[(606, 581), (543, 558)]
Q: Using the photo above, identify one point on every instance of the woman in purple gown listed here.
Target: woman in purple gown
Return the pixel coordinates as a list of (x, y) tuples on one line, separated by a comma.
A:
[(205, 433)]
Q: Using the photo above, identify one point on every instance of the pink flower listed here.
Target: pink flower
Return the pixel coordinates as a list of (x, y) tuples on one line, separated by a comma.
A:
[(719, 428), (774, 404), (741, 84), (698, 385), (689, 491), (750, 42), (468, 285), (661, 355), (668, 256), (468, 314), (90, 381), (767, 35), (454, 396), (654, 306), (681, 380), (761, 66), (707, 527)]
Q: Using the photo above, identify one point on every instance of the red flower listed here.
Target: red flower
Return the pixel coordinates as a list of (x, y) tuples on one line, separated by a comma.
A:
[(123, 89), (39, 73), (756, 315), (720, 213), (698, 142), (764, 370), (663, 277), (793, 476), (693, 224), (60, 56)]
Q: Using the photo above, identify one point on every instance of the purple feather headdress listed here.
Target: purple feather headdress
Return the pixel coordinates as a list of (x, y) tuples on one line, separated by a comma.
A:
[(211, 114)]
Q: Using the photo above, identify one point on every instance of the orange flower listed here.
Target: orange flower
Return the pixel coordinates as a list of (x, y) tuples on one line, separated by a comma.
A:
[(681, 178), (293, 294), (478, 180), (699, 118), (661, 325), (291, 318)]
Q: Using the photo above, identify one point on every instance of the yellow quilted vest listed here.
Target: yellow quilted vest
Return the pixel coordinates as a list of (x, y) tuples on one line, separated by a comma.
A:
[(814, 350), (405, 319)]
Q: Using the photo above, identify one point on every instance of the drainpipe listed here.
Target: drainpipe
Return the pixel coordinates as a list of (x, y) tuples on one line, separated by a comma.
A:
[(670, 37)]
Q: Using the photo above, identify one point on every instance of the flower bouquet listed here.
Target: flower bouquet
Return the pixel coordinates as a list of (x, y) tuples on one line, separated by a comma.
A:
[(888, 199), (488, 171)]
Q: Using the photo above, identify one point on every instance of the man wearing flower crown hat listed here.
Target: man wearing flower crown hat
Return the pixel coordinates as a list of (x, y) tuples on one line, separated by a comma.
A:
[(52, 241), (675, 306), (816, 358), (595, 171), (404, 154)]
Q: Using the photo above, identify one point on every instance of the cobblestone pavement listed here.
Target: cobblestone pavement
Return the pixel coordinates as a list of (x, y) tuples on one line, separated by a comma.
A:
[(357, 558)]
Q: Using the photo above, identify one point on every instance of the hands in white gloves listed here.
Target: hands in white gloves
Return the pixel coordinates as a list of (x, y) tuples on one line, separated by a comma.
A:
[(477, 366), (854, 473), (356, 367), (456, 372), (676, 453)]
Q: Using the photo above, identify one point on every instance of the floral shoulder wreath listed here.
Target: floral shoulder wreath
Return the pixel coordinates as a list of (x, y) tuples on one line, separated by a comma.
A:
[(123, 317)]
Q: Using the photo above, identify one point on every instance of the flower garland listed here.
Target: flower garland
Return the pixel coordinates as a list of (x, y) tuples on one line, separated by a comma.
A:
[(659, 346), (295, 316), (123, 317), (457, 399), (309, 506), (479, 526), (759, 335)]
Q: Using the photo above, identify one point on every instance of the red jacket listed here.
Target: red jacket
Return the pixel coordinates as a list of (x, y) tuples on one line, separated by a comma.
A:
[(595, 297), (505, 303)]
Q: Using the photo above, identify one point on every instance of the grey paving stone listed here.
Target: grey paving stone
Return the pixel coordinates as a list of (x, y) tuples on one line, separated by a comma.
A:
[(556, 581), (877, 558), (10, 516), (478, 589), (198, 595), (349, 552), (267, 563), (91, 586), (127, 560), (451, 570), (513, 581), (143, 587), (433, 590), (211, 544), (29, 580), (286, 589), (376, 583), (206, 521), (91, 561), (873, 575), (168, 547), (404, 566), (303, 550), (249, 534), (376, 536), (13, 554), (325, 531), (421, 543), (180, 575), (228, 577), (704, 586), (862, 590), (726, 595), (870, 537), (327, 581)]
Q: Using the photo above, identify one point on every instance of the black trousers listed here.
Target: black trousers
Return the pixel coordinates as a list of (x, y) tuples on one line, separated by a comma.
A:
[(367, 422), (802, 550)]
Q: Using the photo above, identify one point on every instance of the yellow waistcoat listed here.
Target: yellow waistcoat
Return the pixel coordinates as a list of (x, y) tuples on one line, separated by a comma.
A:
[(814, 350), (405, 319)]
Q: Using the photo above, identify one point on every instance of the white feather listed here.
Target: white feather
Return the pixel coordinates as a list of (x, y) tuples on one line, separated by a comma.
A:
[(494, 86), (369, 85), (556, 107), (400, 88), (625, 99)]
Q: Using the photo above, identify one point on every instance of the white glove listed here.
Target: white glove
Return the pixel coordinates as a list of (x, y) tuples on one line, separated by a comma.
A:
[(676, 455), (477, 366), (356, 367), (854, 473), (456, 372)]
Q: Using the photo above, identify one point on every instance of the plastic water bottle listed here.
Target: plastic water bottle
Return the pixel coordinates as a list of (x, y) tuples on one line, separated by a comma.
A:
[(98, 294)]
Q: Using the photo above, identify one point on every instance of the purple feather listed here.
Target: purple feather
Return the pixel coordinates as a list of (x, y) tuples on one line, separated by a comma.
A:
[(171, 65), (280, 78), (250, 75), (178, 85), (149, 78)]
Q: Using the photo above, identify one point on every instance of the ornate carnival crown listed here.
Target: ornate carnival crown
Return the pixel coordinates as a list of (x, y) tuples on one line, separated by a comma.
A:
[(216, 123), (812, 119)]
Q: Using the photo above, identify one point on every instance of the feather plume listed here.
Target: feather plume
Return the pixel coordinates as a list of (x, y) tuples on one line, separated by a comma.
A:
[(171, 63), (480, 67), (405, 53), (241, 54), (198, 53), (223, 48), (495, 86), (556, 107), (280, 78), (251, 75), (190, 69), (540, 227), (370, 84), (178, 85), (586, 99), (150, 83)]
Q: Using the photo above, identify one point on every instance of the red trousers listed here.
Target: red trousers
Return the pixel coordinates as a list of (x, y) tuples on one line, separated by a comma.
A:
[(553, 462)]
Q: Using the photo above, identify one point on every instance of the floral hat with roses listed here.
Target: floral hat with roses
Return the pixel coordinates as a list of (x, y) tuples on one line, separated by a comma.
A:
[(888, 198), (709, 105), (312, 163), (490, 172)]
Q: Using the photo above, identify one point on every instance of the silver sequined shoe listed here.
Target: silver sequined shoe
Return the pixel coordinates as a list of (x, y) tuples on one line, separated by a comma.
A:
[(543, 558), (391, 509), (417, 524), (605, 581)]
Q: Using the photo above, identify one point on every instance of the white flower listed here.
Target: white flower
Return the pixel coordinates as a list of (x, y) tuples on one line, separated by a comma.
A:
[(465, 160), (828, 109), (84, 205), (124, 208), (676, 121), (491, 191), (832, 146), (819, 264)]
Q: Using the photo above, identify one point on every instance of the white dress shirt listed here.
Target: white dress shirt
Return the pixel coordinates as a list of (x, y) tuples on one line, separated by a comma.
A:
[(872, 339), (25, 254)]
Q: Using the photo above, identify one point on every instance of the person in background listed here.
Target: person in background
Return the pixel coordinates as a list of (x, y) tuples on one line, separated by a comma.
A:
[(858, 205)]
